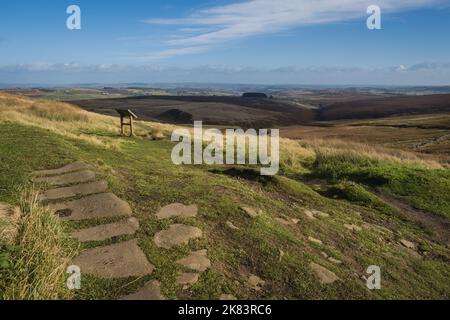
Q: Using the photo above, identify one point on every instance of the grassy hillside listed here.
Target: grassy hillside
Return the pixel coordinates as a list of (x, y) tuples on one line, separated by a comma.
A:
[(346, 181)]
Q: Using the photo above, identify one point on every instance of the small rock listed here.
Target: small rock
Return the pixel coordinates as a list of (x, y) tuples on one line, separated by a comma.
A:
[(308, 213), (284, 221), (281, 255), (256, 282), (251, 212), (197, 261), (320, 214), (314, 240), (335, 261), (231, 225), (325, 276), (352, 227), (408, 244)]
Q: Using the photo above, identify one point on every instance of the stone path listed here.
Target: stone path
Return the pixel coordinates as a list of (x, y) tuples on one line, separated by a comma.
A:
[(180, 234), (79, 197)]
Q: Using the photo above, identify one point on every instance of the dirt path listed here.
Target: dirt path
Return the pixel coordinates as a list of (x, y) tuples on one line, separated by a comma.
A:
[(440, 226)]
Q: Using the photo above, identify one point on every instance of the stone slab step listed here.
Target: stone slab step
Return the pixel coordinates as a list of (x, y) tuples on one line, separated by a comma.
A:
[(107, 231), (150, 291), (76, 166), (177, 234), (68, 178), (187, 279), (103, 205), (74, 191), (120, 260), (197, 261), (177, 210)]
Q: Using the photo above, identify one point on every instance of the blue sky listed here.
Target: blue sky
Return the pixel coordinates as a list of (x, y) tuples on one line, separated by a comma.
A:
[(246, 41)]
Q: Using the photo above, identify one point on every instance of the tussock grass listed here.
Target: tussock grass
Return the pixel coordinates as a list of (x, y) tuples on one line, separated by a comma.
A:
[(38, 261), (354, 152), (72, 122)]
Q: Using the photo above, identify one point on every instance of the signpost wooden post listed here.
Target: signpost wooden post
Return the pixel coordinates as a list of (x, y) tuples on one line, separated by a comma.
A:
[(126, 114)]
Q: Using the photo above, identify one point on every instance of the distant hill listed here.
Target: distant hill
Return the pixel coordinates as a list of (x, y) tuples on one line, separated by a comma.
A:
[(254, 95), (384, 107), (212, 110), (248, 112)]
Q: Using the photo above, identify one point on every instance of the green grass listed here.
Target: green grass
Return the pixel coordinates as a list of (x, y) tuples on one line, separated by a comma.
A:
[(356, 193), (425, 189), (142, 173)]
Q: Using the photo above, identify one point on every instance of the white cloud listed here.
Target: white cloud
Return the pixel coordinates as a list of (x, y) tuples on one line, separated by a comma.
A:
[(426, 73), (41, 67), (256, 17)]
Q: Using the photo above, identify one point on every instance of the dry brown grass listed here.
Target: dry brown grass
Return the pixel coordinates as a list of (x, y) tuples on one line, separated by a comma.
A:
[(43, 252), (350, 151), (71, 121)]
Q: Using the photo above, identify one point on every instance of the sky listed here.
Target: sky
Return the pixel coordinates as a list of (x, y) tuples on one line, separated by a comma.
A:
[(309, 42)]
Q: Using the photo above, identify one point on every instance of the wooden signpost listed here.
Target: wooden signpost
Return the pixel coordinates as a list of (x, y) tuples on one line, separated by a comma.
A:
[(126, 114)]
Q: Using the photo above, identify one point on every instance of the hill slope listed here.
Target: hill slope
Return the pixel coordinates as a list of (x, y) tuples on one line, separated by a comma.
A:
[(212, 110), (384, 107), (323, 209)]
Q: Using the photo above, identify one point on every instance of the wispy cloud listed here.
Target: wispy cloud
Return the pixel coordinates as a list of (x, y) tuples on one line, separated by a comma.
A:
[(255, 17), (171, 52)]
